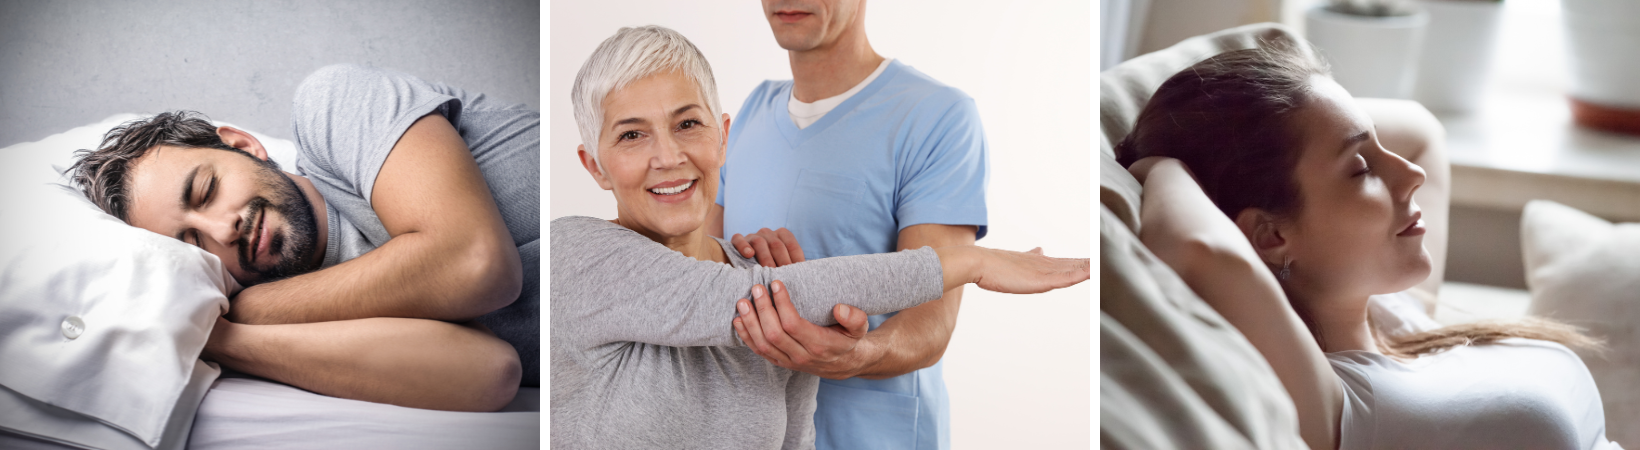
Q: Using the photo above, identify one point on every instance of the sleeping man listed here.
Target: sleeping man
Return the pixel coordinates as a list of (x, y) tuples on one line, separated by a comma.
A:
[(398, 264)]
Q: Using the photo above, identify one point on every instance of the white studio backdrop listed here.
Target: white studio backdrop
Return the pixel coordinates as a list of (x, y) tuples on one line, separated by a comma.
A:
[(1018, 367)]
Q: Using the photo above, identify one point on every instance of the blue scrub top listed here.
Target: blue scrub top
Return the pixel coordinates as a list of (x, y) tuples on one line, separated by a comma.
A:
[(905, 150)]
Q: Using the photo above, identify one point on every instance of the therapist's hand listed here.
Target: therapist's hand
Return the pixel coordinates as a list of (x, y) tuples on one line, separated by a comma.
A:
[(773, 330), (771, 248)]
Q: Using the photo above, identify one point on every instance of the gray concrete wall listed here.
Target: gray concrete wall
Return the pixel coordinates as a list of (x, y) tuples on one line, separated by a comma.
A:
[(70, 63)]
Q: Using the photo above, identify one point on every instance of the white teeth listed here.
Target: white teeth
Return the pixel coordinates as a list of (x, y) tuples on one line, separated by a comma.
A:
[(674, 190)]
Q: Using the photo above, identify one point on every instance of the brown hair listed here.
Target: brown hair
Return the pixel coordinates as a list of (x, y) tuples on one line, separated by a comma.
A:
[(1228, 118), (102, 174)]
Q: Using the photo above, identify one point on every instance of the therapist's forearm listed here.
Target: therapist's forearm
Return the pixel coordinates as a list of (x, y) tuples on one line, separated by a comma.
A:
[(407, 362), (917, 337)]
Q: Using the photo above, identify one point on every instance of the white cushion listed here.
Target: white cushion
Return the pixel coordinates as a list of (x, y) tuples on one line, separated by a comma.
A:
[(126, 374), (1586, 271)]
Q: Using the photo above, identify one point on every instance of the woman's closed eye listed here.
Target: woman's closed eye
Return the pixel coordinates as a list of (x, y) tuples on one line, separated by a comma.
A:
[(1362, 168)]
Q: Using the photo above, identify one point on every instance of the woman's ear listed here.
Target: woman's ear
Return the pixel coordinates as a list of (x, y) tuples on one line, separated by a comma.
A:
[(723, 151), (591, 164), (1263, 230), (242, 140)]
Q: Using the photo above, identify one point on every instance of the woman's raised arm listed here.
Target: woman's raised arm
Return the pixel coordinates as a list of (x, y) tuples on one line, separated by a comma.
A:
[(1209, 252)]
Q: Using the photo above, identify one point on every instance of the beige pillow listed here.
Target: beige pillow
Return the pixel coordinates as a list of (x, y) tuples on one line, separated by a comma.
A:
[(1586, 271), (1172, 372)]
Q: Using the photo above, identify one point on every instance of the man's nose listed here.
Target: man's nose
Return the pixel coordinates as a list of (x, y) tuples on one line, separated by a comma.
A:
[(221, 226)]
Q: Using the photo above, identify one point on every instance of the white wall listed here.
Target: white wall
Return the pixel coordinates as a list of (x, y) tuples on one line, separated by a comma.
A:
[(1018, 366)]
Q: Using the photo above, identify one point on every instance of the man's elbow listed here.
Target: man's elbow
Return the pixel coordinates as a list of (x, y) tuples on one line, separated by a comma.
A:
[(491, 374), (492, 278), (503, 373)]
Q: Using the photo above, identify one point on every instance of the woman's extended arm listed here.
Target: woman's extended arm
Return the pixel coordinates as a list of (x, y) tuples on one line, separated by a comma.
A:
[(1183, 228), (416, 363), (610, 284)]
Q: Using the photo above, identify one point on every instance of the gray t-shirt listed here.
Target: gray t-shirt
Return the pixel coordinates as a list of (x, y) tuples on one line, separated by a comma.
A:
[(644, 353), (347, 119)]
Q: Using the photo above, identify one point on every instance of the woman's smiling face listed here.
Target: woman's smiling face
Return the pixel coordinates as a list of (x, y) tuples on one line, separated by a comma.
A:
[(660, 150), (1358, 230)]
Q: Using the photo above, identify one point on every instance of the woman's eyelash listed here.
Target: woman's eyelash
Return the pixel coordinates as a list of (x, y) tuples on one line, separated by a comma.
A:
[(1365, 168)]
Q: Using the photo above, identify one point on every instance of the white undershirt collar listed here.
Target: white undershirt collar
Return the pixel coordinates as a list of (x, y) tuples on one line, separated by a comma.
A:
[(805, 114)]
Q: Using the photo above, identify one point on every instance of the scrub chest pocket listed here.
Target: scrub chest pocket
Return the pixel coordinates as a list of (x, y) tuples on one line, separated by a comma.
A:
[(835, 208)]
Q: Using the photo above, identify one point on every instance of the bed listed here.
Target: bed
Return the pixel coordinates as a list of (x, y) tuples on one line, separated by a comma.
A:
[(125, 373)]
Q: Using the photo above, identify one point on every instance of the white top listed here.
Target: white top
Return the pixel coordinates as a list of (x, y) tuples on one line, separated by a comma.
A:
[(1517, 393), (805, 114)]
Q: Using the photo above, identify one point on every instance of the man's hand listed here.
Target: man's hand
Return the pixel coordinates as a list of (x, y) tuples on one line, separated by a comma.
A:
[(774, 331), (771, 248)]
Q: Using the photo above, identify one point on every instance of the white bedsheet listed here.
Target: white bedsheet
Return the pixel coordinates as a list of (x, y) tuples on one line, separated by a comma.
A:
[(249, 413)]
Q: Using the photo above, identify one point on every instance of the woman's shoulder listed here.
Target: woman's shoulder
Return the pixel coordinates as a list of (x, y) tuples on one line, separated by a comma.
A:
[(581, 224), (570, 234)]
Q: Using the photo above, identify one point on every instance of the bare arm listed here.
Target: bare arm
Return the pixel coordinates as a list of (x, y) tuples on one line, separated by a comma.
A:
[(916, 338), (450, 256), (1409, 130), (1208, 251), (407, 362)]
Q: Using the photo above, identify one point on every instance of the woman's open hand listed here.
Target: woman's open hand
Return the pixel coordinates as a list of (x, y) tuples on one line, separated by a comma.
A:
[(1015, 272)]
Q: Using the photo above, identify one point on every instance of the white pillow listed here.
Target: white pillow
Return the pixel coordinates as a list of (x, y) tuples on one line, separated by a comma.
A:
[(101, 323), (1586, 271)]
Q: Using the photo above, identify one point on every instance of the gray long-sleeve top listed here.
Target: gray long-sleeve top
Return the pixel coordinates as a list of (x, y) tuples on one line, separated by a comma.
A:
[(644, 353)]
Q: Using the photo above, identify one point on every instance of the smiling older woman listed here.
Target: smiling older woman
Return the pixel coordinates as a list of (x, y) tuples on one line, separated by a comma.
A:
[(643, 351)]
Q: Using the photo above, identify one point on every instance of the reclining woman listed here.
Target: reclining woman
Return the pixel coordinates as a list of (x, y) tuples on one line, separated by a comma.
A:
[(1287, 205), (644, 352)]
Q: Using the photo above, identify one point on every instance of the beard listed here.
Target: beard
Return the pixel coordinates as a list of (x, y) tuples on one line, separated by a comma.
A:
[(297, 244)]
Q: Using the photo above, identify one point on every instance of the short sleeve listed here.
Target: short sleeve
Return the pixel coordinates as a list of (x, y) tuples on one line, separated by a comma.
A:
[(946, 174), (748, 110), (347, 118)]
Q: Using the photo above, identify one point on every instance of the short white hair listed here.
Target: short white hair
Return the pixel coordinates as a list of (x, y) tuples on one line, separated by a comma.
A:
[(628, 56)]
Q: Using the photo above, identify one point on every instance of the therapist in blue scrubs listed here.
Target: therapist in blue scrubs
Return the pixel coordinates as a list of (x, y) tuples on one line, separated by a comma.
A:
[(859, 154)]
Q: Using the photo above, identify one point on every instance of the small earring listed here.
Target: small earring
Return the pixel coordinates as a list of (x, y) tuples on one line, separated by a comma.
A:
[(1286, 270)]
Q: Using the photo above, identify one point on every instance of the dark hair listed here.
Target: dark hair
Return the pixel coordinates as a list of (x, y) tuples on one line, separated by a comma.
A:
[(103, 174), (1228, 119)]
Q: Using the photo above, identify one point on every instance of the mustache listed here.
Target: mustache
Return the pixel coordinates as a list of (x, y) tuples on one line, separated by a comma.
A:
[(253, 214)]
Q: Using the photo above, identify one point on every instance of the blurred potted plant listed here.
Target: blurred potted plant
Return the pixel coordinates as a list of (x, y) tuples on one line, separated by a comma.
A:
[(1456, 61), (1601, 38), (1373, 45)]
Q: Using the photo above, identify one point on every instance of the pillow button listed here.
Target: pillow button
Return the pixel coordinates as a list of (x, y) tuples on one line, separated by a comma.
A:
[(73, 326)]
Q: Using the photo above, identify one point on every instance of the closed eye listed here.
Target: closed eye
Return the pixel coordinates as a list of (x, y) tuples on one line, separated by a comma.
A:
[(210, 192), (1363, 166)]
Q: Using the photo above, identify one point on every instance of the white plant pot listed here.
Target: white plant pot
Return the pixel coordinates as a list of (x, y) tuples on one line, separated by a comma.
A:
[(1603, 47), (1457, 54), (1370, 56)]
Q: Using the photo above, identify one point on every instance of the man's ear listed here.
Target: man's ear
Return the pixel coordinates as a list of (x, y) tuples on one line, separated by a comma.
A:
[(242, 140), (1264, 231), (591, 164)]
